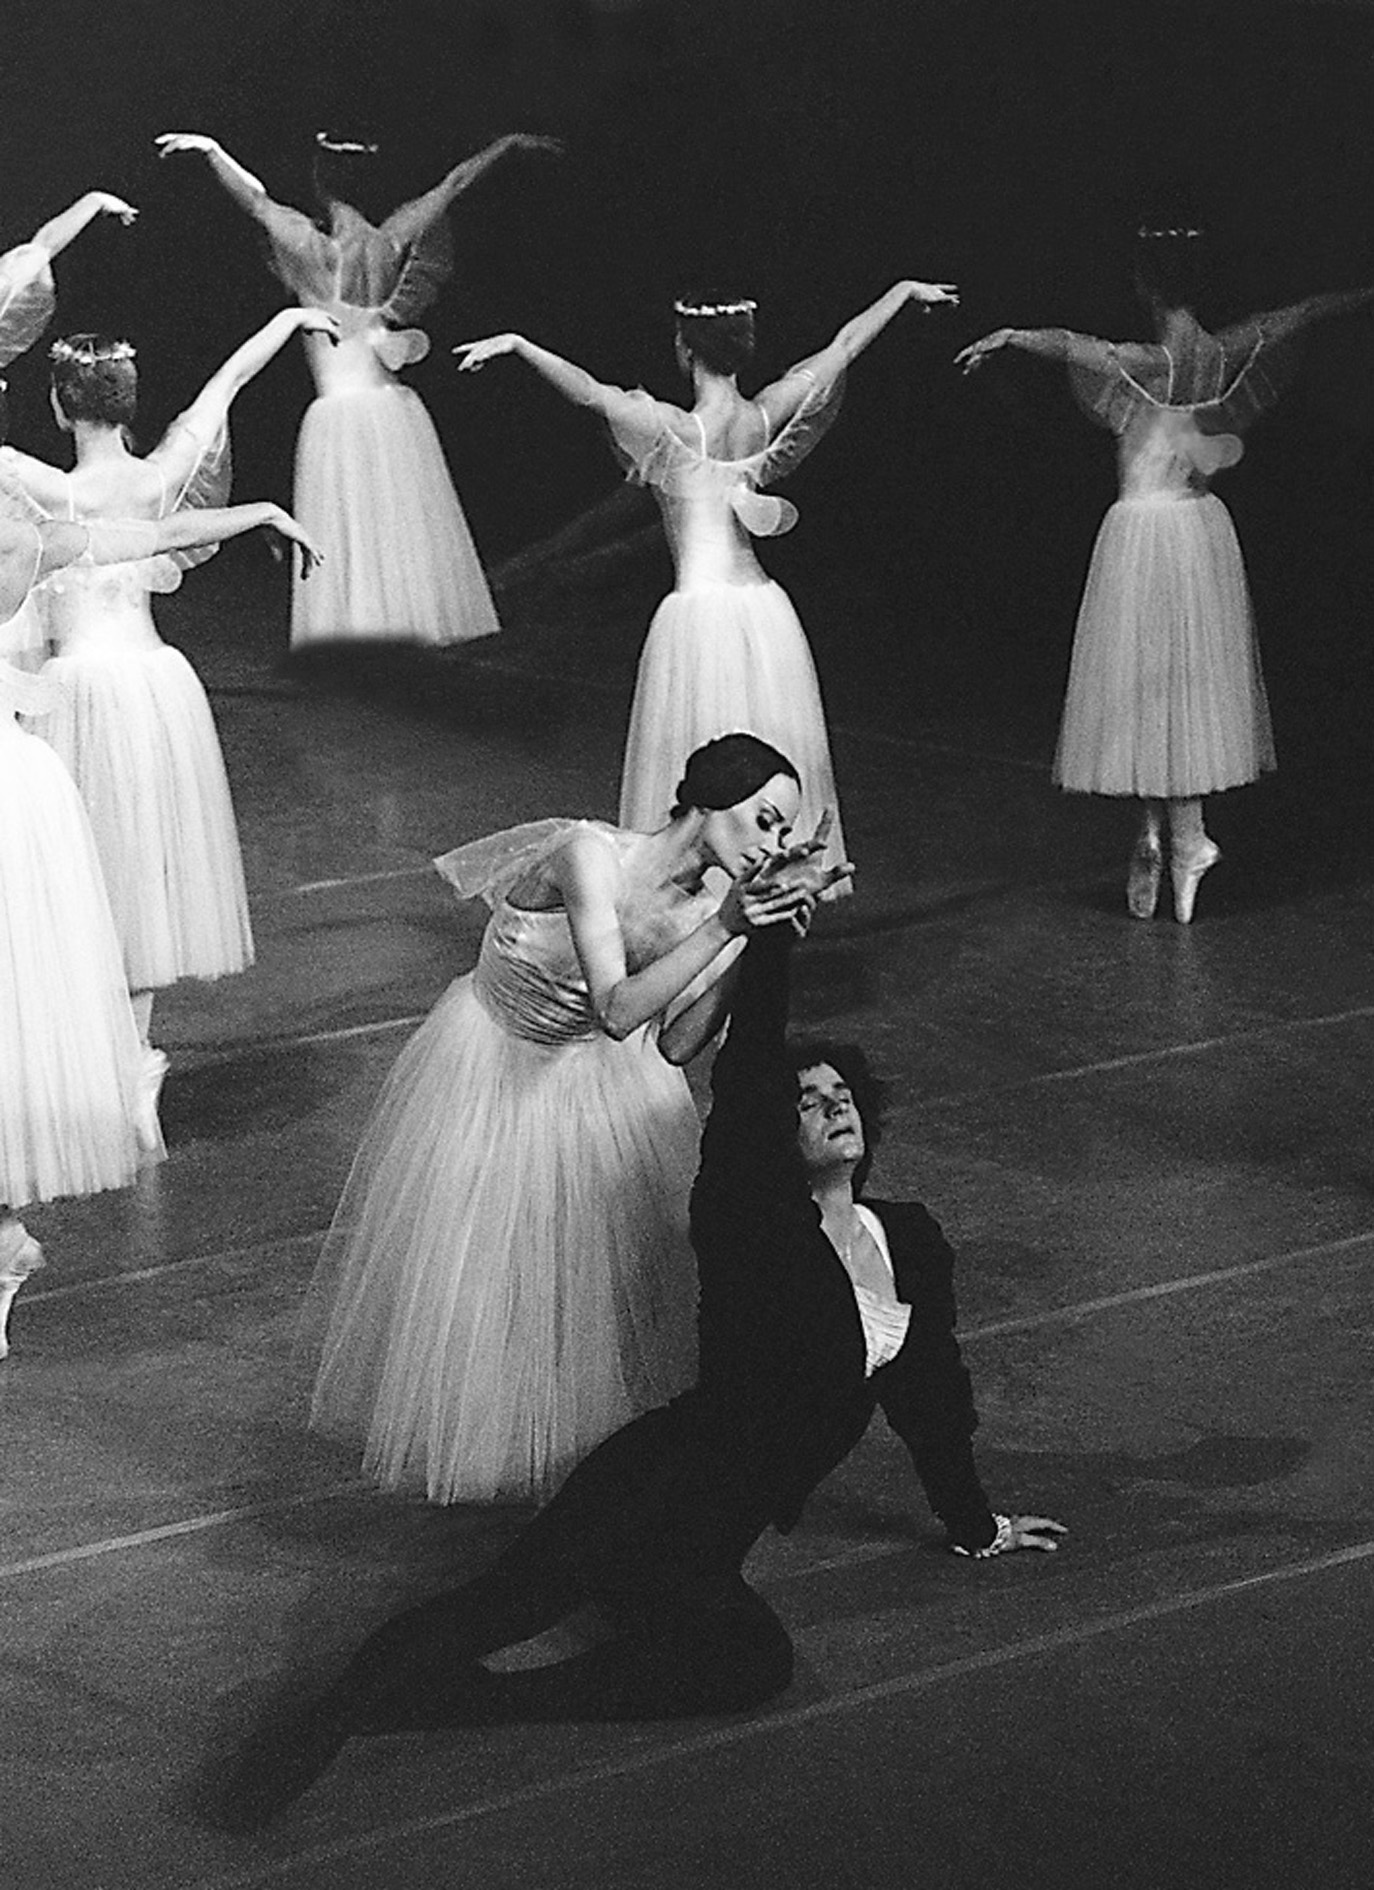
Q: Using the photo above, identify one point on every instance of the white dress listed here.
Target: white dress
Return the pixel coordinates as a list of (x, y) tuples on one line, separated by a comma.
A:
[(133, 724), (508, 1275), (372, 485), (725, 651), (1165, 696), (71, 1098)]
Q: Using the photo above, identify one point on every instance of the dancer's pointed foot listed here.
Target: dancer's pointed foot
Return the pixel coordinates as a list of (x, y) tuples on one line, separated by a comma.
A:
[(152, 1076), (1142, 881), (1186, 871), (20, 1255)]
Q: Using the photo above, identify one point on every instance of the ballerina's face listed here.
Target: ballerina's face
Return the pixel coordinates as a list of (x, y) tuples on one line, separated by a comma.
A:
[(741, 837)]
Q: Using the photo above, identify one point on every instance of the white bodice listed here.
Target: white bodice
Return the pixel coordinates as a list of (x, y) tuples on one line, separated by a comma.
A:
[(707, 540), (1164, 455), (528, 976), (101, 610), (352, 365)]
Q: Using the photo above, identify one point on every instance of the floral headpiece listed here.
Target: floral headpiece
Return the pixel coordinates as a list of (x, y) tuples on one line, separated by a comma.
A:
[(692, 309), (86, 350), (328, 142), (1144, 232)]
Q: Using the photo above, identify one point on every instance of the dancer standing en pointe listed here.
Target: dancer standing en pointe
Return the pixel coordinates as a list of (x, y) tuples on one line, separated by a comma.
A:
[(725, 649), (371, 480), (131, 719), (508, 1276), (1165, 700)]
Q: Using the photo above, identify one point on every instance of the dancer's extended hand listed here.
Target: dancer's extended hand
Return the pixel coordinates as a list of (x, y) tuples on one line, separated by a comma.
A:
[(109, 205), (169, 143), (282, 522), (978, 351), (930, 294), (318, 321), (1035, 1532), (475, 354), (535, 141), (798, 868)]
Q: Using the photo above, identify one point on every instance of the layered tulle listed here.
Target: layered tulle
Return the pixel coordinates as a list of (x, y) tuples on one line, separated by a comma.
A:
[(70, 1058), (133, 725), (509, 1271), (721, 657), (373, 488), (1165, 696)]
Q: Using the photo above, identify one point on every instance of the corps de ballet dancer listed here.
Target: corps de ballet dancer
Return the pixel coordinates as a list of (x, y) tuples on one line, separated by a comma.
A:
[(371, 480), (725, 649), (75, 1113), (131, 719), (509, 1276), (1165, 701)]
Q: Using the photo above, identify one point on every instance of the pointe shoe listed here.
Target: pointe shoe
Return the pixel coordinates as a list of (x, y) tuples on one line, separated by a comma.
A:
[(1142, 881), (146, 1125), (1187, 875), (22, 1257)]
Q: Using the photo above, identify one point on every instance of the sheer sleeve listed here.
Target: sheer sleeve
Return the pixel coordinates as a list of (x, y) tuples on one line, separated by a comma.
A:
[(27, 298), (198, 471), (488, 868), (796, 437), (1224, 382)]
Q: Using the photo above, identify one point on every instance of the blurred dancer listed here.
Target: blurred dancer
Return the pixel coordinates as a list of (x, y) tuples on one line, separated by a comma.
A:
[(725, 649), (1165, 700), (371, 481)]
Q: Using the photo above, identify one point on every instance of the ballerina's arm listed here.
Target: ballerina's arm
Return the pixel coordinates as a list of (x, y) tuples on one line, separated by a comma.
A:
[(628, 414), (1062, 344), (1280, 324), (785, 396), (58, 231), (586, 874), (410, 220), (191, 434)]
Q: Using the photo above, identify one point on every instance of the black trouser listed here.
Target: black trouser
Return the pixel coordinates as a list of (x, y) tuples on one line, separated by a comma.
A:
[(650, 1527)]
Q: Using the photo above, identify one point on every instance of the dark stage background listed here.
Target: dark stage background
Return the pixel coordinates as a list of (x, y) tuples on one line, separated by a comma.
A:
[(808, 154)]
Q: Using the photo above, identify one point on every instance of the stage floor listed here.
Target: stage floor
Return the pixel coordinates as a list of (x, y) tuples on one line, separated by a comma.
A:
[(1149, 1144)]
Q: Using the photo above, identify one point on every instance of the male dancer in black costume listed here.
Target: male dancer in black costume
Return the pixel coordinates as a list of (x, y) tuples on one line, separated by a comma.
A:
[(805, 1325)]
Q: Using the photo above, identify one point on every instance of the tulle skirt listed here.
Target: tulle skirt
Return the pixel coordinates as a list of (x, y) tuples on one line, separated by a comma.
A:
[(70, 1058), (717, 658), (373, 488), (133, 725), (508, 1275), (1165, 695)]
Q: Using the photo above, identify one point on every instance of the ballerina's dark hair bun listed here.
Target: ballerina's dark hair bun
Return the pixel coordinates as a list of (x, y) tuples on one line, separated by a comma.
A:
[(95, 379), (727, 771), (718, 331)]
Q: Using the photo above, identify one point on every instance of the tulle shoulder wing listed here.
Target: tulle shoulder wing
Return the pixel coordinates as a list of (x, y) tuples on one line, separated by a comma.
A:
[(204, 482), (301, 257), (644, 442), (488, 868), (427, 266), (1110, 393), (16, 501), (1224, 381), (27, 298), (796, 437)]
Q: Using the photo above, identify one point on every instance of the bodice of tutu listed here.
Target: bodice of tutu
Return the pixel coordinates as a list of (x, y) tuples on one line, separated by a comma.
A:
[(101, 609), (528, 975), (708, 542), (353, 364), (1164, 455)]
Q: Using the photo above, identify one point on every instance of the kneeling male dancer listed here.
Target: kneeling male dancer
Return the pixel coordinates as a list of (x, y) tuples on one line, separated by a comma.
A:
[(813, 1310)]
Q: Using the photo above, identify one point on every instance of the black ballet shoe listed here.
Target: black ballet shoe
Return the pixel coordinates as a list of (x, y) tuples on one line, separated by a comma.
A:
[(1142, 880), (1187, 875), (284, 1759)]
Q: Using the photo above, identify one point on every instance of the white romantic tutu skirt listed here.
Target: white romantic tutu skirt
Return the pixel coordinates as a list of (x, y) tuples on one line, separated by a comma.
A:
[(509, 1271), (373, 489), (1165, 697), (720, 658), (133, 725), (70, 1058)]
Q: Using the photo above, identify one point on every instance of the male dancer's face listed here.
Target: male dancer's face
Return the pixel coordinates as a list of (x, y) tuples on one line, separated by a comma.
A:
[(830, 1131)]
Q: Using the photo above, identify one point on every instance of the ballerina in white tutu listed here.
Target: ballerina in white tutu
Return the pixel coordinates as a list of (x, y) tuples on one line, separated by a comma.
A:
[(76, 1114), (1165, 701), (725, 649), (508, 1275), (131, 719), (371, 480)]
